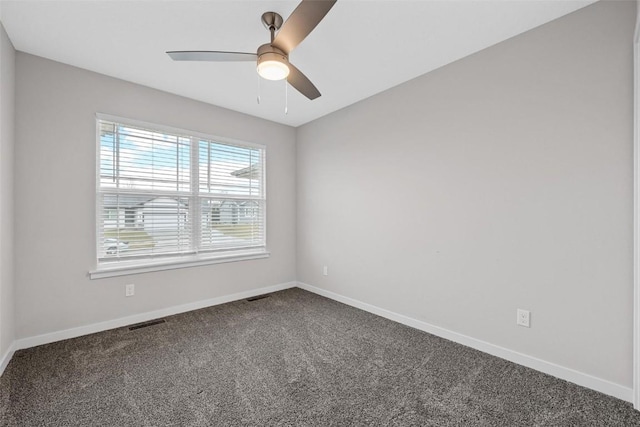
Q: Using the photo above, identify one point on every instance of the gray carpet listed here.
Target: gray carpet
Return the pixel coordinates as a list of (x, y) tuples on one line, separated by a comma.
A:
[(293, 359)]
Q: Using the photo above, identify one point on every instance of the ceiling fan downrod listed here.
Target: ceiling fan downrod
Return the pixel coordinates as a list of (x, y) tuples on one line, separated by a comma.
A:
[(272, 22)]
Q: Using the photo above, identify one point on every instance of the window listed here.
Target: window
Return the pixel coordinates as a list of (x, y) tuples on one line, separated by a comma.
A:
[(167, 196)]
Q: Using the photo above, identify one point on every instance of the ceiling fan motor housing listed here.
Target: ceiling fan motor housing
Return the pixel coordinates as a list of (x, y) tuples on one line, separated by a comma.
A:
[(267, 52)]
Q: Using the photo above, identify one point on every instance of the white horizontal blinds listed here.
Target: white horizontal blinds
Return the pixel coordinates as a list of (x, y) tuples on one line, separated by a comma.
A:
[(138, 159), (145, 190), (231, 224), (229, 170), (143, 225), (231, 190), (163, 193)]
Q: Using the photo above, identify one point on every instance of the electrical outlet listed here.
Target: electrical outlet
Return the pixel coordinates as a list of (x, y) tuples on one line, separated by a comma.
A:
[(129, 290), (325, 271), (523, 318)]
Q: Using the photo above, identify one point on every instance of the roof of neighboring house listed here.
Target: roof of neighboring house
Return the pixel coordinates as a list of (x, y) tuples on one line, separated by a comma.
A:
[(130, 201), (124, 201), (111, 201), (162, 202), (250, 172)]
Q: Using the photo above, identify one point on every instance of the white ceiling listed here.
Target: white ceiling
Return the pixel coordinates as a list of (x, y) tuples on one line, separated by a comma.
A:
[(361, 47)]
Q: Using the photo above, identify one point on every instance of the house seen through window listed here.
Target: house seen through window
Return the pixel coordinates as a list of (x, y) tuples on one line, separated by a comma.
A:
[(168, 195)]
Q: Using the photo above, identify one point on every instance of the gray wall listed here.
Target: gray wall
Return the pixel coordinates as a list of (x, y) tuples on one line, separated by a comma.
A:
[(498, 182), (7, 91), (55, 199)]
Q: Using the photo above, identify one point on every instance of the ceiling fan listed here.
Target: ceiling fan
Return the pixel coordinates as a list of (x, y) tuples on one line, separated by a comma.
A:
[(273, 58)]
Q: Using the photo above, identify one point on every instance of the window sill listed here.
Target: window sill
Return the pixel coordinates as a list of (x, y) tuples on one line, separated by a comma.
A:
[(124, 268)]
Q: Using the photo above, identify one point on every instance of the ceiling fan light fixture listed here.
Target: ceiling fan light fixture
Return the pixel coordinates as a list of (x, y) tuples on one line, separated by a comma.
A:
[(272, 64)]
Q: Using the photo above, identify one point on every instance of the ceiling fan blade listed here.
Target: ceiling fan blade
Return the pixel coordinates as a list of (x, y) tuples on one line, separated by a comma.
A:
[(211, 55), (302, 21), (301, 83)]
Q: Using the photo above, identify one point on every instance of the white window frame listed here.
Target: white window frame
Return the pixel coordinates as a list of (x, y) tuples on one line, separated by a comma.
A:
[(136, 266)]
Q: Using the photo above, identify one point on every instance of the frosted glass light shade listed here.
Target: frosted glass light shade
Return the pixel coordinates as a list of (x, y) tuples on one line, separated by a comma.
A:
[(273, 70)]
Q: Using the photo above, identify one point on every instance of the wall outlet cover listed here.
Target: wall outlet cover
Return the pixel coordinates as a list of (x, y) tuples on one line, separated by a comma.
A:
[(129, 290), (523, 318)]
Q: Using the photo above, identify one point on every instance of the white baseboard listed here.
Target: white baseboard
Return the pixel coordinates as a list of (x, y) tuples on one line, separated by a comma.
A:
[(576, 377), (6, 358), (142, 317), (580, 378)]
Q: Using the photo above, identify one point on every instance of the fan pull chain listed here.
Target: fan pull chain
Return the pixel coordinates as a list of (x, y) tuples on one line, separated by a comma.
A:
[(259, 89), (286, 97)]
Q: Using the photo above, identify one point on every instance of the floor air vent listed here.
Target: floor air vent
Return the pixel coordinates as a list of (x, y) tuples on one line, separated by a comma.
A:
[(145, 324), (258, 297)]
